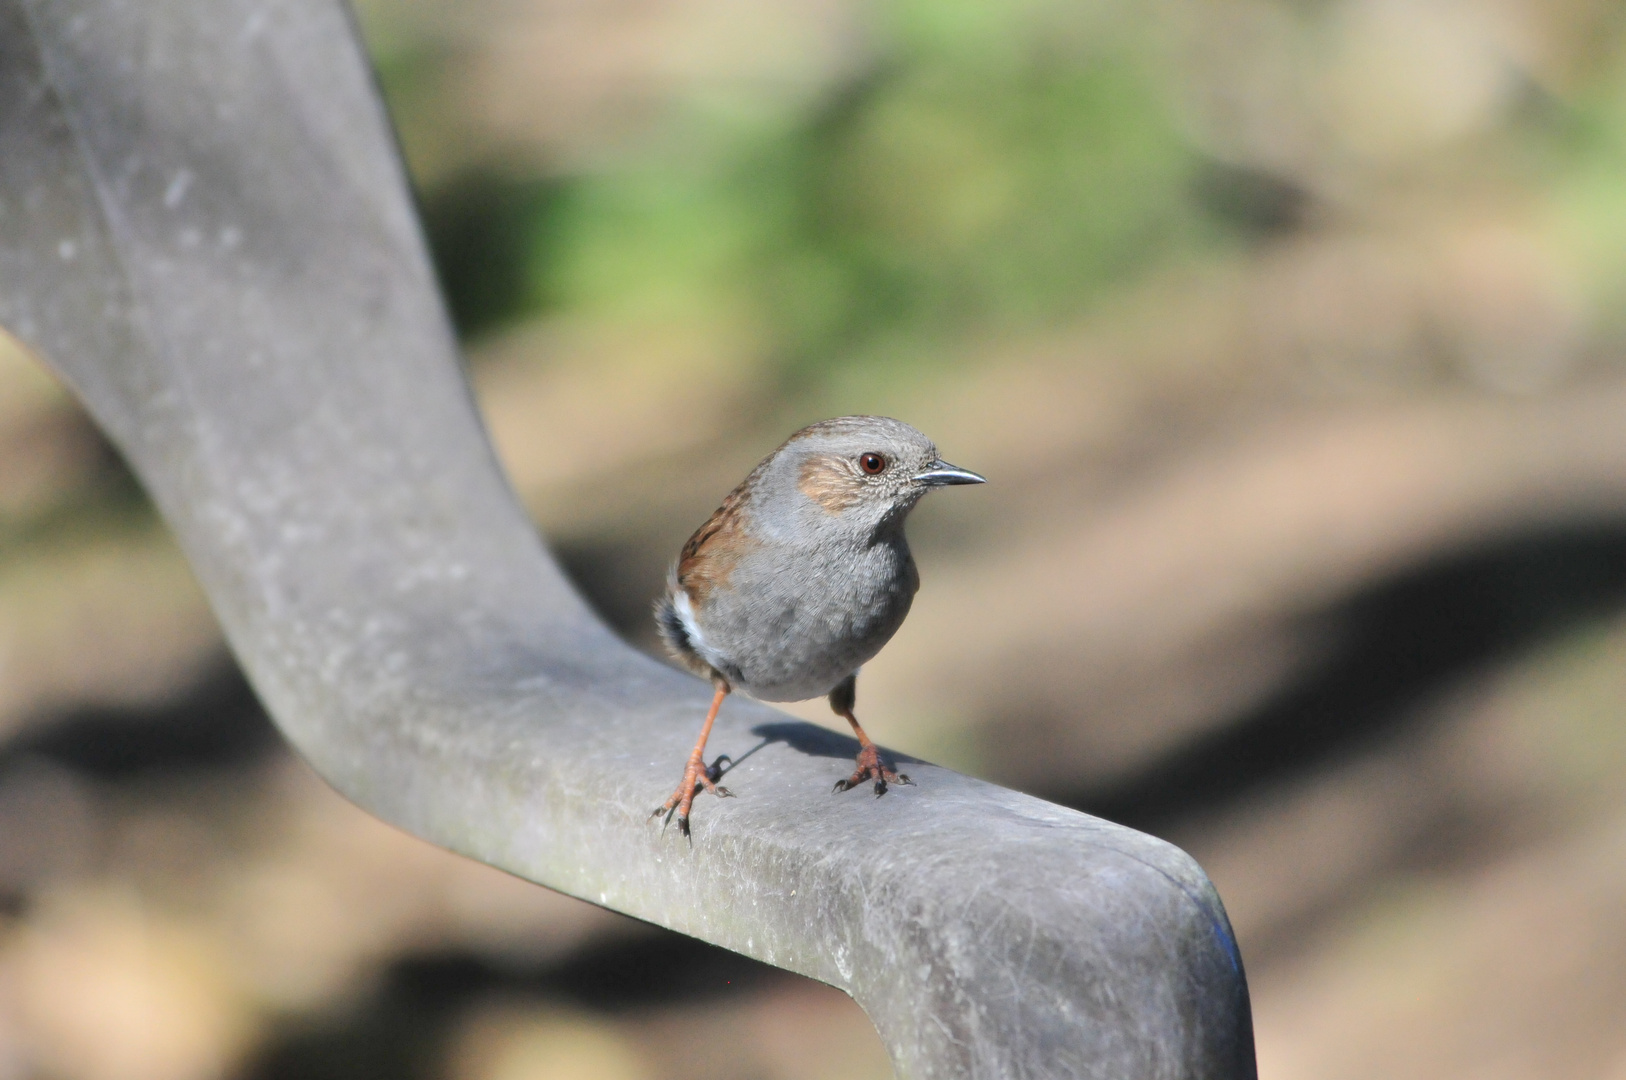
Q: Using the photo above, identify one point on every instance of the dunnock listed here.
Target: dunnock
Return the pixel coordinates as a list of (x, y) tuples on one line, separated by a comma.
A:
[(800, 577)]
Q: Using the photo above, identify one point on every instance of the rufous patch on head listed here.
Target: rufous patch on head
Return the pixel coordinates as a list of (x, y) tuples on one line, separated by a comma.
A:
[(830, 482)]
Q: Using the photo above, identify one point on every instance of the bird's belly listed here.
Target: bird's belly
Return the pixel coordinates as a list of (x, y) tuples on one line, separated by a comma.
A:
[(784, 673), (799, 636), (815, 679)]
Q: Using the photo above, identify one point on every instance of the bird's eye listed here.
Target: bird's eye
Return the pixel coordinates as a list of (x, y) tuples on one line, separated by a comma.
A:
[(872, 463)]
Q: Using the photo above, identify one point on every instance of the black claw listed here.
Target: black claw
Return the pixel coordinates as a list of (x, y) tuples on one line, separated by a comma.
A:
[(724, 793), (880, 788), (683, 825), (841, 785), (903, 778)]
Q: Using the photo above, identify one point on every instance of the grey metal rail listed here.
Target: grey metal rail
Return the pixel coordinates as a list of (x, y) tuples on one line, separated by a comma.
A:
[(204, 227)]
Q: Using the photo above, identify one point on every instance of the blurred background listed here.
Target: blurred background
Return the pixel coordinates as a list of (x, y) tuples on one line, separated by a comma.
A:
[(1291, 336)]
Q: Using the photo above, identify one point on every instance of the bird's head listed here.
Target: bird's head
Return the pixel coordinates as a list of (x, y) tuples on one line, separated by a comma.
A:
[(862, 470)]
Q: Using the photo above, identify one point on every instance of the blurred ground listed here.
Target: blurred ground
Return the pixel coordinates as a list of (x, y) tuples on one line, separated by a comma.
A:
[(1289, 336)]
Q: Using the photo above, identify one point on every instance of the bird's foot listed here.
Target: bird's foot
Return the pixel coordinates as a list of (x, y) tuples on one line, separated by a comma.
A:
[(871, 767), (697, 775)]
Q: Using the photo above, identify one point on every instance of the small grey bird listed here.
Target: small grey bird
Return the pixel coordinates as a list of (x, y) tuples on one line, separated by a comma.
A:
[(800, 577)]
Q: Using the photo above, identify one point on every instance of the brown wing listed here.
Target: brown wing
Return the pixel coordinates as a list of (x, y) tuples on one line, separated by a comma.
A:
[(711, 553), (705, 562)]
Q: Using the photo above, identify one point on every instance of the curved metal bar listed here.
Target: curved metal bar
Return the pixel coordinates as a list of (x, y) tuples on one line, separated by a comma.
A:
[(205, 227)]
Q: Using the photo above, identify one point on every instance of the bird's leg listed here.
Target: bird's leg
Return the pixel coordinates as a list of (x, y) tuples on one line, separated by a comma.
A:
[(695, 774), (870, 765)]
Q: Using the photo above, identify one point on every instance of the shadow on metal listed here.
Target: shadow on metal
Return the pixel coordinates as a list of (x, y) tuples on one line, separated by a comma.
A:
[(205, 229)]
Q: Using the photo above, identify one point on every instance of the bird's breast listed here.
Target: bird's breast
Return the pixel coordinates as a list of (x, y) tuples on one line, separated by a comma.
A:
[(793, 625)]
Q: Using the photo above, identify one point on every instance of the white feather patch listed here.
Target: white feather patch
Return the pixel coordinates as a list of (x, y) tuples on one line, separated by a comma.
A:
[(685, 613)]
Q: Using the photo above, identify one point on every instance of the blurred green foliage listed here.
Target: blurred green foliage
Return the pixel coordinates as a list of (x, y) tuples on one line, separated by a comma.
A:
[(993, 167), (1590, 197), (986, 169)]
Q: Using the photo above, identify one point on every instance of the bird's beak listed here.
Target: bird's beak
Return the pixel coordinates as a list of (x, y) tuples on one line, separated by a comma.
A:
[(942, 474)]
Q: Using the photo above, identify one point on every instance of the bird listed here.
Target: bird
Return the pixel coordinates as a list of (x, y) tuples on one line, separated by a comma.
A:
[(799, 578)]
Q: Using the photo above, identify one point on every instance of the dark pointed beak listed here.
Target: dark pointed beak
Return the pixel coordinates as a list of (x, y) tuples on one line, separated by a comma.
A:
[(942, 474)]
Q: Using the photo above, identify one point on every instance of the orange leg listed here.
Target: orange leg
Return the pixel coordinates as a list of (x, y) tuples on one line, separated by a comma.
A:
[(695, 774), (870, 765)]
